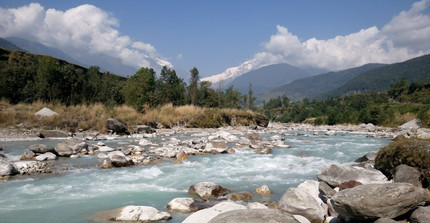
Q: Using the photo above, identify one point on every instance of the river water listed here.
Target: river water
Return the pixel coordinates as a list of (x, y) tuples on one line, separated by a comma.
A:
[(84, 189)]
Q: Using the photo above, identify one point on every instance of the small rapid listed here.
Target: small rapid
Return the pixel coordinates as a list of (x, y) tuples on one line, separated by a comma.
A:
[(80, 192)]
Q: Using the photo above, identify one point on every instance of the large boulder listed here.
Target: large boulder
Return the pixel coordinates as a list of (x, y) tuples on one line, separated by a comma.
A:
[(143, 129), (325, 191), (254, 216), (45, 112), (46, 156), (262, 121), (263, 190), (407, 174), (413, 124), (142, 214), (41, 148), (420, 215), (7, 168), (304, 201), (208, 190), (117, 126), (27, 155), (118, 159), (205, 215), (373, 201), (182, 204), (335, 175), (64, 149)]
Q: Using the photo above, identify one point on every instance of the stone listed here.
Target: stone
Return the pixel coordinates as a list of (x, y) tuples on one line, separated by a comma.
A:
[(40, 148), (373, 201), (142, 129), (45, 112), (420, 215), (385, 220), (63, 149), (254, 216), (349, 184), (75, 156), (46, 156), (215, 147), (119, 161), (411, 125), (334, 175), (2, 155), (370, 156), (276, 138), (180, 205), (101, 143), (263, 190), (106, 164), (181, 156), (102, 156), (208, 190), (261, 120), (240, 196), (205, 215), (106, 149), (257, 205), (142, 214), (206, 203), (117, 126), (264, 151), (254, 137), (325, 191), (7, 168), (407, 174), (53, 134), (27, 155)]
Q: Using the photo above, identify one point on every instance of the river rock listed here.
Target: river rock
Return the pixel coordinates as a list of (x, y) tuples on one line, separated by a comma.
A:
[(27, 155), (40, 148), (208, 190), (349, 184), (118, 159), (63, 149), (304, 201), (257, 205), (116, 126), (373, 201), (52, 134), (420, 215), (181, 156), (142, 214), (180, 205), (263, 190), (7, 168), (46, 156), (206, 203), (205, 215), (105, 149), (240, 196), (385, 220), (370, 156), (411, 125), (254, 137), (334, 175), (45, 112), (143, 129), (264, 151), (106, 164), (261, 120), (215, 147), (407, 174), (254, 216), (325, 191)]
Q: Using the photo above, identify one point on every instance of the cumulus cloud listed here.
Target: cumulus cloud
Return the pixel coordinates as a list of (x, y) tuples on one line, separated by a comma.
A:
[(404, 37), (78, 31)]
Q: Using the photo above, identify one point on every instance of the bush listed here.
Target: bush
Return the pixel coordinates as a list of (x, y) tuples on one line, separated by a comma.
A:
[(412, 152)]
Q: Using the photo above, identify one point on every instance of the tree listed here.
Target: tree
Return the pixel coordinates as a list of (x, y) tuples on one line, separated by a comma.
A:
[(170, 88), (232, 98), (139, 88), (251, 97), (193, 87)]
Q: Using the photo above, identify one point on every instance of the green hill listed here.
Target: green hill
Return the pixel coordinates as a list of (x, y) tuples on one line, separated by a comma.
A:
[(311, 87), (380, 79)]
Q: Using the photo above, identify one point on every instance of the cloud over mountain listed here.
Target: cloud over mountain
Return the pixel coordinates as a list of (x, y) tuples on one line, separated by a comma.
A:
[(83, 30), (404, 37)]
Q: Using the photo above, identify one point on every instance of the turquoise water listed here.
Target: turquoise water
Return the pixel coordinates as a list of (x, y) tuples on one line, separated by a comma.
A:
[(85, 190)]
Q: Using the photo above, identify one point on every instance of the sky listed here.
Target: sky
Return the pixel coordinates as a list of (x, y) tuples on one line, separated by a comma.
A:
[(225, 38)]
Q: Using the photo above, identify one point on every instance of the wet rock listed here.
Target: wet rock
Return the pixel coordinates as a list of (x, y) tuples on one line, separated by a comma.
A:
[(180, 205), (420, 215), (7, 168), (304, 201), (276, 138), (41, 148), (239, 196), (325, 191), (334, 175), (205, 215), (181, 156), (116, 126), (208, 190), (46, 156), (215, 147), (27, 155), (254, 216), (118, 159), (254, 137), (370, 156), (407, 174), (107, 164), (143, 129), (373, 201), (142, 214), (207, 203), (263, 190)]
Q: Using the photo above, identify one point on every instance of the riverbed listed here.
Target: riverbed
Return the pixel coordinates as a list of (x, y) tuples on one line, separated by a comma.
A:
[(83, 189)]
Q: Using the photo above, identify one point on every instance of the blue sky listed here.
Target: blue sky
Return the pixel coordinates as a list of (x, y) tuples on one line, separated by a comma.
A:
[(216, 35)]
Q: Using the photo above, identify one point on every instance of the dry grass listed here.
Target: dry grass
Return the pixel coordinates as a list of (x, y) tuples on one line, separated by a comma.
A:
[(94, 116), (399, 119)]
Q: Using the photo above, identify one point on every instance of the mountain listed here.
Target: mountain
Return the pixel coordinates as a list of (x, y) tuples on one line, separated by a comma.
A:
[(380, 79), (311, 87), (8, 45), (268, 77)]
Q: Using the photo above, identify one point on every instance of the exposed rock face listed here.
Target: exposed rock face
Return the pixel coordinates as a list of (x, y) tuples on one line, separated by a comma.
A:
[(373, 201), (208, 190), (40, 148), (117, 126), (262, 120), (407, 174), (205, 215), (142, 214), (7, 168), (421, 215), (334, 175), (180, 205), (254, 216), (263, 190), (304, 201)]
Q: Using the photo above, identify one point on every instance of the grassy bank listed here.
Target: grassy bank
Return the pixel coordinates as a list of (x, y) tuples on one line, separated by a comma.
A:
[(94, 116)]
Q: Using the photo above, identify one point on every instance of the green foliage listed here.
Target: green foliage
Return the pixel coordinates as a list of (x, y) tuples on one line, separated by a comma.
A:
[(193, 88)]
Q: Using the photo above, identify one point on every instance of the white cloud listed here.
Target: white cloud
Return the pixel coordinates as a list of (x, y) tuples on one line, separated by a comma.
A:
[(180, 56), (406, 36), (77, 31)]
